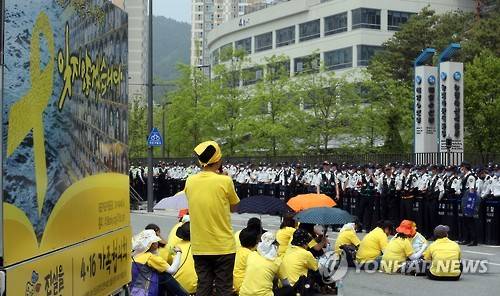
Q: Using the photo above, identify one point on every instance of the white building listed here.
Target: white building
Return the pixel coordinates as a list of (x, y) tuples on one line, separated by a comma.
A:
[(343, 34), (208, 14), (137, 47)]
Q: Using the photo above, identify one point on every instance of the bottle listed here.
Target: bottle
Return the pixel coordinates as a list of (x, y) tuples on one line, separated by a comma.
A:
[(340, 287)]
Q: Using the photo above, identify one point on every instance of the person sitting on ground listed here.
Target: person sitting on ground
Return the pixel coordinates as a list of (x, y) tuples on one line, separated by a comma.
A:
[(156, 228), (398, 250), (444, 255), (298, 261), (348, 241), (418, 241), (415, 264), (249, 238), (252, 223), (372, 245), (186, 275), (318, 238), (172, 239), (149, 269), (263, 269), (347, 237), (285, 233)]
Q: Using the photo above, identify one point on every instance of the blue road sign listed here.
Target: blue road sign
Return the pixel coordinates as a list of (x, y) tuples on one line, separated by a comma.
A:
[(155, 138)]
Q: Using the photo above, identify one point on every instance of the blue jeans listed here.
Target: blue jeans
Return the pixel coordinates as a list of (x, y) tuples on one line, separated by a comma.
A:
[(169, 286)]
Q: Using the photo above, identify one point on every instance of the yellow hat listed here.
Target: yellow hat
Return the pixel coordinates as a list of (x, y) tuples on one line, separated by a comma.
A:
[(208, 153)]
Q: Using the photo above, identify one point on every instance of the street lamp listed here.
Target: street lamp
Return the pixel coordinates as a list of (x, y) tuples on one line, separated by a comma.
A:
[(449, 142), (209, 67)]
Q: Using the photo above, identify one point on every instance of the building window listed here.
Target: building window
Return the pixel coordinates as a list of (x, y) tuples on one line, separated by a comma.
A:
[(308, 64), (245, 45), (365, 53), (338, 59), (226, 52), (264, 42), (366, 18), (336, 24), (252, 75), (279, 69), (215, 57), (395, 19), (309, 30), (285, 36)]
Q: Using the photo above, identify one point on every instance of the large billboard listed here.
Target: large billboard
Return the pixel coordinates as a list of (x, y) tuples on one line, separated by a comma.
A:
[(64, 149), (451, 105), (425, 109)]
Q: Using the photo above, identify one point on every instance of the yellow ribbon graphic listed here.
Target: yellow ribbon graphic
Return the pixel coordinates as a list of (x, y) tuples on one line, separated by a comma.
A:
[(27, 114)]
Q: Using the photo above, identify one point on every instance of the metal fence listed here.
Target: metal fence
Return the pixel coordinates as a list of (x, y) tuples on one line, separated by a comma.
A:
[(476, 159)]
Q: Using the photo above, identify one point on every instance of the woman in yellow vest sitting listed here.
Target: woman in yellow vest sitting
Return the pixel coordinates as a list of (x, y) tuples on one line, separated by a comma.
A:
[(248, 239), (398, 250), (186, 275), (371, 246), (348, 241), (285, 234), (263, 267), (445, 257)]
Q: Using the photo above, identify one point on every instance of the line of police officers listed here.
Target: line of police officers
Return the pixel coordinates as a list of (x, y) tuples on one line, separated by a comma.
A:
[(371, 192)]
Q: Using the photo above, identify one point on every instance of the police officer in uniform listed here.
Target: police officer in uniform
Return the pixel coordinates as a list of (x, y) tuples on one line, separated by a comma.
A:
[(407, 187), (470, 205), (434, 193), (326, 182), (367, 198), (389, 202)]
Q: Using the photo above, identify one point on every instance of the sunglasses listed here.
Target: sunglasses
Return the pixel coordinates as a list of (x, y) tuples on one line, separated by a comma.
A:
[(419, 90), (443, 87)]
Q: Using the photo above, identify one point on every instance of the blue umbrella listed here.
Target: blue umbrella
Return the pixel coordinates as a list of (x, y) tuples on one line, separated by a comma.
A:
[(262, 205), (324, 216)]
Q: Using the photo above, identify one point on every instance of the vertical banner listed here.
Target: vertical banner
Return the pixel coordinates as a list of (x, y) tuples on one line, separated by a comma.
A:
[(64, 147), (451, 106), (425, 109)]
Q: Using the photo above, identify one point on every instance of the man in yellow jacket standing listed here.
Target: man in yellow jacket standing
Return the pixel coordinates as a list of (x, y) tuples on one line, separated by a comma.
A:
[(211, 199)]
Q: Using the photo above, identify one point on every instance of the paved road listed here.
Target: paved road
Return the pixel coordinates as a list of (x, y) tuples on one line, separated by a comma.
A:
[(362, 284)]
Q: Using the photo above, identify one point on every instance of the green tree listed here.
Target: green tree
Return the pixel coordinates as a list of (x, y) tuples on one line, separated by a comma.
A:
[(188, 113), (425, 29), (482, 103), (137, 129), (390, 109), (273, 117), (332, 103), (228, 103)]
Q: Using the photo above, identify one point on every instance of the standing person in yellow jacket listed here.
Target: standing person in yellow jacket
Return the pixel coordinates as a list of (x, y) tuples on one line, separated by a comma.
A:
[(372, 245), (211, 199), (445, 256)]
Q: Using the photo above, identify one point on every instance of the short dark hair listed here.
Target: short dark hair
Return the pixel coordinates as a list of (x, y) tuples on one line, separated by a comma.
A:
[(153, 227), (249, 238), (254, 223), (288, 221), (386, 224)]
